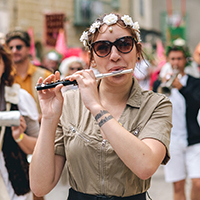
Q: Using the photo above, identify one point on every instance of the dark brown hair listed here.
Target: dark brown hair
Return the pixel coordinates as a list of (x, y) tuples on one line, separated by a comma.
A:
[(19, 34), (8, 75)]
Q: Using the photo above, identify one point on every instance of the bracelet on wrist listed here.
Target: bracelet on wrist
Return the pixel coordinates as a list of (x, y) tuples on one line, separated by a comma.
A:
[(20, 138)]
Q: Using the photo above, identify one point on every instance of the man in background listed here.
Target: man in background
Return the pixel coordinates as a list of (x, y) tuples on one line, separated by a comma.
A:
[(185, 138), (27, 74)]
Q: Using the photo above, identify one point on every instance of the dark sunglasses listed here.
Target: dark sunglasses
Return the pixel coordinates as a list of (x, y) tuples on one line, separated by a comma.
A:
[(103, 47), (74, 68), (18, 47)]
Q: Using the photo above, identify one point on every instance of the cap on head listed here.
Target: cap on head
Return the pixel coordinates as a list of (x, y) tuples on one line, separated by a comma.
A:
[(18, 34), (53, 56), (65, 64)]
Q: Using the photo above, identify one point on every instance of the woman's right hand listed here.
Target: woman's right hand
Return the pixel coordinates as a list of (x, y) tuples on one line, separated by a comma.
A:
[(51, 100)]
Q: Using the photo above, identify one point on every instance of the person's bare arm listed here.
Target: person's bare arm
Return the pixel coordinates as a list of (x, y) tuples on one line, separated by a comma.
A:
[(46, 167)]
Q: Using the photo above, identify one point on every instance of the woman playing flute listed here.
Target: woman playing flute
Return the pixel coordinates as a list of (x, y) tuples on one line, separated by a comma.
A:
[(113, 134)]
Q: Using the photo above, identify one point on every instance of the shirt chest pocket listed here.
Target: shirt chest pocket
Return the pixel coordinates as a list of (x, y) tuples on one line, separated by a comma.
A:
[(80, 147), (78, 137), (75, 134)]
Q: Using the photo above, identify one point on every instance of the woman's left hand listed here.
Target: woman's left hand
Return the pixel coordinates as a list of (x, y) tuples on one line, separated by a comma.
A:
[(17, 130)]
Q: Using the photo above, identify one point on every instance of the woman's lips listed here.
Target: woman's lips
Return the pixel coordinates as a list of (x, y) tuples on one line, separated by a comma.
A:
[(117, 69)]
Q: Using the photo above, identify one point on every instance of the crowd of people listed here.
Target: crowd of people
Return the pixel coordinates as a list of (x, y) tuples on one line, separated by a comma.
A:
[(99, 139)]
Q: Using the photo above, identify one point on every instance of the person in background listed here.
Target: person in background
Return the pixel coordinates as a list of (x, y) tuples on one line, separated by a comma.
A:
[(185, 137), (190, 68), (26, 73), (69, 66), (113, 134), (52, 61), (196, 58), (142, 73), (18, 141), (196, 64)]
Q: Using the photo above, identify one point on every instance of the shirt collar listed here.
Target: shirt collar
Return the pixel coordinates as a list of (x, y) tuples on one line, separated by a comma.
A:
[(135, 97), (31, 70)]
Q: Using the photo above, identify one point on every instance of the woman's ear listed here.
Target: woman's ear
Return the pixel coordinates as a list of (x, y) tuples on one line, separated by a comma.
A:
[(93, 64), (138, 51)]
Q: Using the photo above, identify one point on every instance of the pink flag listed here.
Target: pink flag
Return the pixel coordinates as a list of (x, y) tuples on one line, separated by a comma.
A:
[(160, 49), (160, 54), (161, 60), (32, 47), (60, 46), (32, 50)]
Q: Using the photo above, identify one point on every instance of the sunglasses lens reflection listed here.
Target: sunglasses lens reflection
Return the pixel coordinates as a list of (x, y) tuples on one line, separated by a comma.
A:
[(103, 48)]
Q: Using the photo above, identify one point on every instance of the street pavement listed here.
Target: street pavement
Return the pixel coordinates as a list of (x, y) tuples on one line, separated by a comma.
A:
[(161, 190)]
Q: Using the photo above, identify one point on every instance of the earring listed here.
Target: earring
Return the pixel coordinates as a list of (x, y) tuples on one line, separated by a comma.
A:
[(138, 58)]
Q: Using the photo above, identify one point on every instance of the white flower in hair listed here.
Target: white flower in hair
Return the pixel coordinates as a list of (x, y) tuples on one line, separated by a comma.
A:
[(84, 38), (94, 26), (85, 43), (138, 37), (110, 19), (127, 20), (136, 26)]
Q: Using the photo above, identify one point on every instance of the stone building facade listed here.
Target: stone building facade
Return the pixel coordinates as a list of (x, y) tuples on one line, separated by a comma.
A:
[(23, 14), (31, 13)]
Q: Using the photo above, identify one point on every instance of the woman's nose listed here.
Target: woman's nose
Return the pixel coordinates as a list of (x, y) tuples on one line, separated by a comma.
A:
[(114, 54)]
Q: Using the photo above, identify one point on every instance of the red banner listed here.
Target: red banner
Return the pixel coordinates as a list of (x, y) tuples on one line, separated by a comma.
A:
[(53, 23)]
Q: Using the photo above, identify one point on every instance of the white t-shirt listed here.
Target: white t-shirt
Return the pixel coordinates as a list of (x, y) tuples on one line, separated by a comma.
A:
[(179, 129), (141, 73)]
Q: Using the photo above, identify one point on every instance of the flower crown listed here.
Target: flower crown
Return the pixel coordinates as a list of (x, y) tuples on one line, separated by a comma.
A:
[(110, 20)]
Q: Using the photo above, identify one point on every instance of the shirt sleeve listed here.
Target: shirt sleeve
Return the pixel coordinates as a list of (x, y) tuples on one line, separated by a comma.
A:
[(159, 125), (28, 110), (59, 141), (27, 105)]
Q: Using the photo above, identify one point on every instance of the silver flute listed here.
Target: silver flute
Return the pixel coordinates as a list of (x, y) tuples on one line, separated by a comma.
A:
[(65, 82)]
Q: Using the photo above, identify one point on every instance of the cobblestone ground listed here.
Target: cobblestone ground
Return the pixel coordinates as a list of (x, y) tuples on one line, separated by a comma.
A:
[(160, 190)]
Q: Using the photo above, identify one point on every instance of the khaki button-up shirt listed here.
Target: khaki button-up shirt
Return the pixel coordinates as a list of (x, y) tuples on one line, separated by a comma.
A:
[(92, 164)]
